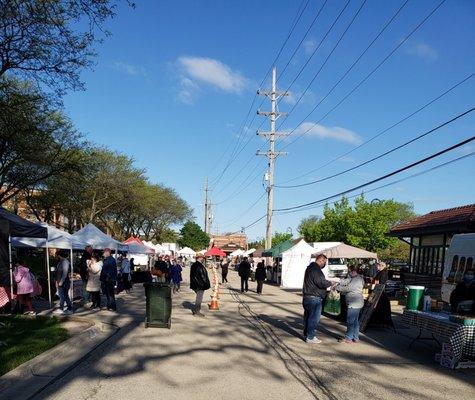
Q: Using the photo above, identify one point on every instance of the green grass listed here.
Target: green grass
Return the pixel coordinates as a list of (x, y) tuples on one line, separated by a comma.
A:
[(26, 338)]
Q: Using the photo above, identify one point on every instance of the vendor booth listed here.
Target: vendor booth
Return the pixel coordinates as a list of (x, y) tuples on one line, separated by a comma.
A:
[(139, 251), (294, 263), (57, 239), (93, 236), (13, 225)]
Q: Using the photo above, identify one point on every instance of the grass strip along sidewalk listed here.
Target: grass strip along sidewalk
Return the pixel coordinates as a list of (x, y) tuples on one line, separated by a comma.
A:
[(23, 338)]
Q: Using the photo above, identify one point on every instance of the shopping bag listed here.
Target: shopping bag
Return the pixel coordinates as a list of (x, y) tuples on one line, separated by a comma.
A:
[(333, 303)]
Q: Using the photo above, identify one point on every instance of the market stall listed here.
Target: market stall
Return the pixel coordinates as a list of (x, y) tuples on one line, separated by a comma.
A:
[(57, 239), (93, 236), (294, 263), (12, 225), (457, 332), (139, 251)]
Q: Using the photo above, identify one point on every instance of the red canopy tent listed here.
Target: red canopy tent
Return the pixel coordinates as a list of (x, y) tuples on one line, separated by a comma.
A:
[(133, 239), (214, 251)]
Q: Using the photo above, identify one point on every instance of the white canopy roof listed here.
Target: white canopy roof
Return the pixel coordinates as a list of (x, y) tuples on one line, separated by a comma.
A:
[(249, 252), (137, 248), (237, 252), (342, 250), (202, 252), (294, 263), (92, 235), (57, 239), (186, 251)]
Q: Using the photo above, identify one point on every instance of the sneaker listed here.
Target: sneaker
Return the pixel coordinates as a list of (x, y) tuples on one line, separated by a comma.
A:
[(313, 341), (356, 341)]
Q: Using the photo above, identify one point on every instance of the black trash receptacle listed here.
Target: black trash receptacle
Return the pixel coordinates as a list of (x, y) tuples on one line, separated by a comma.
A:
[(158, 305)]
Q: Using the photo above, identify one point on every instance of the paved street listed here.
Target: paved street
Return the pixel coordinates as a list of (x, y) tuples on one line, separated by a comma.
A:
[(251, 349)]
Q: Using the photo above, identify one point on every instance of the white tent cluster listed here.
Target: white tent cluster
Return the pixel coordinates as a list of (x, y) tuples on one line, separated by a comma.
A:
[(296, 259)]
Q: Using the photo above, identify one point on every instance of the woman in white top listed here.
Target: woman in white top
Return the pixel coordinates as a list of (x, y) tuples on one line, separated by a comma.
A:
[(94, 267)]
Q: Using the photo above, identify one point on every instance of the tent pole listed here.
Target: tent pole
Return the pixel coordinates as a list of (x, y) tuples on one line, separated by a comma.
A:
[(71, 297), (11, 269), (48, 272)]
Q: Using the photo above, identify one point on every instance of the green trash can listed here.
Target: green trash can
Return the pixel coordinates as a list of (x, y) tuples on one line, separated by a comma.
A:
[(414, 297), (158, 305)]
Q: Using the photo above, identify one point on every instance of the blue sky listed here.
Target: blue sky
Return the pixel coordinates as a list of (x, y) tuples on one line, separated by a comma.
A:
[(173, 84)]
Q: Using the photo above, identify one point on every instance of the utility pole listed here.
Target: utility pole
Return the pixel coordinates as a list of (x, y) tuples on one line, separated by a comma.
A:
[(207, 209), (271, 154)]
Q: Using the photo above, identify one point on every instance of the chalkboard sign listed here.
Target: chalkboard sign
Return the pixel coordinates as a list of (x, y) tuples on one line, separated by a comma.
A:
[(370, 306)]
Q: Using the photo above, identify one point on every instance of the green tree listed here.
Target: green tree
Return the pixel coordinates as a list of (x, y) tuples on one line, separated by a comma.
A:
[(364, 225), (280, 237), (309, 229), (37, 141), (192, 236), (51, 41)]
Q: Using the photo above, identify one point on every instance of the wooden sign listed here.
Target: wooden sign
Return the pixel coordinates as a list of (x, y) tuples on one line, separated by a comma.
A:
[(370, 306)]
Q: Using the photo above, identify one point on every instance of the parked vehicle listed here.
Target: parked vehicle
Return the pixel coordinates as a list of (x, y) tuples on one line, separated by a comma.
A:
[(460, 256), (336, 268)]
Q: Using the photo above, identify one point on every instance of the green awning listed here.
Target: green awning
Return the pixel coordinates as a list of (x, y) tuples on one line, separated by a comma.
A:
[(277, 250)]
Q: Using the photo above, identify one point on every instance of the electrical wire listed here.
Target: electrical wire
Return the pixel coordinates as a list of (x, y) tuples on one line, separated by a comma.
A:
[(380, 64), (384, 131), (440, 126), (446, 150)]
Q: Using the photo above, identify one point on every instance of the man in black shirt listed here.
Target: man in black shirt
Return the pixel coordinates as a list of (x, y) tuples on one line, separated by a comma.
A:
[(86, 255), (244, 273), (314, 292)]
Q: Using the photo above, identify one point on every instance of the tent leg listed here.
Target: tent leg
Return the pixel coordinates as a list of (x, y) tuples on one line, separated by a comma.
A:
[(72, 281), (48, 272), (11, 269)]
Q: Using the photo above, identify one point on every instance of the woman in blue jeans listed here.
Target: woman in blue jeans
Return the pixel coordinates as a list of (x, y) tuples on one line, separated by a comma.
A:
[(352, 288)]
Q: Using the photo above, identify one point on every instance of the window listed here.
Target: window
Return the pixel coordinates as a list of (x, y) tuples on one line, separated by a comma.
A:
[(460, 270), (469, 263), (453, 269)]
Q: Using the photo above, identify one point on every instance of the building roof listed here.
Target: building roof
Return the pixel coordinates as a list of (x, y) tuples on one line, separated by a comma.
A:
[(451, 220)]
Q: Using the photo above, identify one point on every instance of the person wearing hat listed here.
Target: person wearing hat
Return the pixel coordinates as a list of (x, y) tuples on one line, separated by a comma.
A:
[(109, 279), (199, 282)]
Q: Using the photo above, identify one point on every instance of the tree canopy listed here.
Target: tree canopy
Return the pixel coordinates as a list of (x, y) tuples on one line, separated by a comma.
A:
[(365, 224), (192, 236)]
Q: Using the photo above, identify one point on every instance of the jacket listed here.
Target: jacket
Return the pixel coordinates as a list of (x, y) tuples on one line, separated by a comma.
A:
[(62, 272), (199, 277), (314, 282), (352, 288), (261, 273), (109, 270), (175, 273), (23, 279), (94, 280), (244, 269)]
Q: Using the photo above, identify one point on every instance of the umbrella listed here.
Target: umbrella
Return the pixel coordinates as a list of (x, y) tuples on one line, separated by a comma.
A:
[(214, 251)]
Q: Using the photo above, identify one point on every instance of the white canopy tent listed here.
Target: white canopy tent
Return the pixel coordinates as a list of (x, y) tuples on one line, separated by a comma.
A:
[(237, 253), (342, 250), (249, 252), (92, 235), (187, 252), (294, 262), (57, 239)]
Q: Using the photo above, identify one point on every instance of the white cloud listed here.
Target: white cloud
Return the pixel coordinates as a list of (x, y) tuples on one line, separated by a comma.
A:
[(423, 51), (129, 68), (325, 132), (188, 91), (214, 73), (467, 149), (309, 46)]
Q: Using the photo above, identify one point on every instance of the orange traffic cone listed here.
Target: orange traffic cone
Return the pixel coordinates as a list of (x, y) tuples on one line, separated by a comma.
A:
[(214, 304)]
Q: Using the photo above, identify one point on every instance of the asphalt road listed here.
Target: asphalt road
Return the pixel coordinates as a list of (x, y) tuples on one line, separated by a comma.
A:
[(251, 349)]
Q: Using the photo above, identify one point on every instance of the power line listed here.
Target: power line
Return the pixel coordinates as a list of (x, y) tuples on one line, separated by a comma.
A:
[(390, 183), (363, 80), (384, 131), (383, 154), (229, 223), (299, 14), (352, 65), (446, 150)]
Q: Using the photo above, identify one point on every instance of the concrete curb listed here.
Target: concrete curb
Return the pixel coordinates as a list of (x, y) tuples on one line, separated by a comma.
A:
[(30, 378)]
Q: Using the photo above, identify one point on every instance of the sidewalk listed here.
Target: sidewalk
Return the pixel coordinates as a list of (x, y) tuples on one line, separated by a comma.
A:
[(251, 348)]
